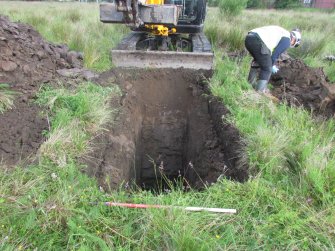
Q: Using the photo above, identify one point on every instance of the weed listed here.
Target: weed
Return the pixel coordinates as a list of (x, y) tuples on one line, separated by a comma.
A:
[(73, 15), (311, 47), (60, 30), (231, 7), (234, 39), (6, 97), (330, 72), (77, 41), (36, 20)]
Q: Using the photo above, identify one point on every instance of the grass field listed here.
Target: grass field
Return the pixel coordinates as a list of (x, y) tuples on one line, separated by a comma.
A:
[(288, 202)]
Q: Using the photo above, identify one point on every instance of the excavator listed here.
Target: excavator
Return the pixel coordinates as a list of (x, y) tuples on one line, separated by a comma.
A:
[(164, 33)]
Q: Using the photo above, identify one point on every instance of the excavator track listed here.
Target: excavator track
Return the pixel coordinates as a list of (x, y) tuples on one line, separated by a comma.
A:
[(127, 55)]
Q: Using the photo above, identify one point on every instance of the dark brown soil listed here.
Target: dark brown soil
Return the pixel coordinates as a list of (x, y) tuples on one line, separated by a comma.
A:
[(26, 62), (168, 126), (300, 85)]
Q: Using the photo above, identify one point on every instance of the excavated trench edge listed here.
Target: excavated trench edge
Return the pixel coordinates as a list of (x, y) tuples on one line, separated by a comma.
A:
[(197, 162), (168, 124)]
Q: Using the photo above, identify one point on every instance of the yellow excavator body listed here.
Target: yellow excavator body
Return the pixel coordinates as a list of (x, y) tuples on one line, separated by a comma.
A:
[(165, 33)]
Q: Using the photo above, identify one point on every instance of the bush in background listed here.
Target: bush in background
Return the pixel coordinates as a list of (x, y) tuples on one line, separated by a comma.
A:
[(282, 4), (258, 4), (255, 4), (213, 3), (232, 7)]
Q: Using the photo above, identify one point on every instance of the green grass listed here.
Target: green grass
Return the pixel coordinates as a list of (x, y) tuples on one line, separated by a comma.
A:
[(6, 97), (285, 144), (75, 115), (287, 204)]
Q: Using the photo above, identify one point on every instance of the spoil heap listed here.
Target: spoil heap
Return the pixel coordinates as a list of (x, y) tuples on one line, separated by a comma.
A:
[(300, 85), (26, 62)]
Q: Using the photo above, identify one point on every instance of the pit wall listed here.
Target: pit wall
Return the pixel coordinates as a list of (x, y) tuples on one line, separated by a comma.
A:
[(168, 125)]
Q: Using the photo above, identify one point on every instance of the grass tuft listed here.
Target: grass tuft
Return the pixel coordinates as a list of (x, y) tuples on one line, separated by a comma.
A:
[(35, 20), (311, 47), (74, 116), (6, 98), (73, 15)]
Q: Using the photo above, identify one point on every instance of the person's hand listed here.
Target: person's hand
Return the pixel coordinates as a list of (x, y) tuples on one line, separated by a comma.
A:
[(275, 69)]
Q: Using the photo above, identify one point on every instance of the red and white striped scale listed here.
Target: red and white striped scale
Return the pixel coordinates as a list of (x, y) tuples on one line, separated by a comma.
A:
[(193, 209)]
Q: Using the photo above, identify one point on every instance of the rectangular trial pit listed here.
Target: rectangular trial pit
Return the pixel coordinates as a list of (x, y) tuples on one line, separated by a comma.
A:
[(168, 124)]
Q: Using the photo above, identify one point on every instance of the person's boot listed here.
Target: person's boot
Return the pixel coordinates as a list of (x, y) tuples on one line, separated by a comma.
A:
[(262, 85), (262, 89), (253, 74)]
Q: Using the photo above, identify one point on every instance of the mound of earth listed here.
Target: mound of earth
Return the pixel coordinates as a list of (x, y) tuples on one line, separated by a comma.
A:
[(27, 61), (169, 126), (300, 85)]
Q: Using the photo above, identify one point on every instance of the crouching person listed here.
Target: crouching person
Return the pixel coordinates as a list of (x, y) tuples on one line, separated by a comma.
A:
[(265, 44)]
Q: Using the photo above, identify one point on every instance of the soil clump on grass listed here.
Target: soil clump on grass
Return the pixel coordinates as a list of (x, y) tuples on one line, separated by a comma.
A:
[(169, 128), (301, 85), (26, 62)]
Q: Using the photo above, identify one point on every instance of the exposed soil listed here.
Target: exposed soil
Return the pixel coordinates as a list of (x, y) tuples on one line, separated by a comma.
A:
[(26, 62), (168, 126), (300, 85)]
